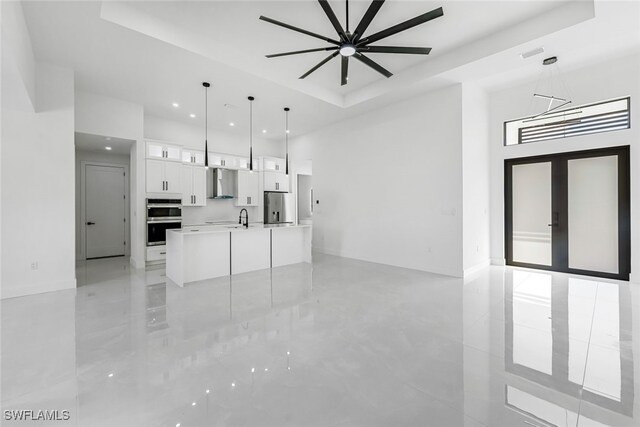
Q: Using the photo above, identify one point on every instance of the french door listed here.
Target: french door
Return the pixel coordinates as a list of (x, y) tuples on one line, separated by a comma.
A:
[(570, 212)]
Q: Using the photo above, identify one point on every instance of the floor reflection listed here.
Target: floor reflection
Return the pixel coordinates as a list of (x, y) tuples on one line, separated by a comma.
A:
[(339, 342), (573, 335)]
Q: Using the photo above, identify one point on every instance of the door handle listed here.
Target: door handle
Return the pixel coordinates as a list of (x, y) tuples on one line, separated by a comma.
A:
[(554, 219), (90, 223)]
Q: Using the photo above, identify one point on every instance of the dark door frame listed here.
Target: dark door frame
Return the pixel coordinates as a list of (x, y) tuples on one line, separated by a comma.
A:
[(560, 236)]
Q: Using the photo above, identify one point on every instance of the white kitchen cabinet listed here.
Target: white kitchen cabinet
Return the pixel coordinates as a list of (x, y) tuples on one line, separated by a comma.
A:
[(163, 176), (193, 157), (224, 161), (156, 253), (160, 150), (248, 188), (273, 164), (194, 186), (276, 181), (242, 163)]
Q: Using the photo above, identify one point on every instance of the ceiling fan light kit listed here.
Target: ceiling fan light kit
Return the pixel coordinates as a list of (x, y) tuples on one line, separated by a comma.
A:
[(354, 44)]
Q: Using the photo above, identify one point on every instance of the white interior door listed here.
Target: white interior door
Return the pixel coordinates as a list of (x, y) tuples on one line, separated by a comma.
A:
[(105, 211)]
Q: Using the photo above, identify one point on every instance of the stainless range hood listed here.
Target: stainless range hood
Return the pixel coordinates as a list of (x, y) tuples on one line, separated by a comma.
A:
[(221, 183)]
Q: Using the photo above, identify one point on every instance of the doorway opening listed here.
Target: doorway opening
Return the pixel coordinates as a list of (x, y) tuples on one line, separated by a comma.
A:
[(102, 196), (570, 212), (305, 199)]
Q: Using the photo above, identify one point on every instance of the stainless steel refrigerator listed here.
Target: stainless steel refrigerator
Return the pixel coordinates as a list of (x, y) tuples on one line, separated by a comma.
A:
[(278, 208)]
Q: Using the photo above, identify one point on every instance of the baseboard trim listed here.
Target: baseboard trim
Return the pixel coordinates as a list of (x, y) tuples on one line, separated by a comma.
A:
[(498, 261), (39, 288), (135, 264), (468, 272), (331, 252)]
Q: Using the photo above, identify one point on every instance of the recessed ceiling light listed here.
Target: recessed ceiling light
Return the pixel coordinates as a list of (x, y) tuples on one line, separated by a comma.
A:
[(232, 124), (175, 104), (111, 375), (287, 131), (107, 148), (264, 131), (192, 115), (193, 403)]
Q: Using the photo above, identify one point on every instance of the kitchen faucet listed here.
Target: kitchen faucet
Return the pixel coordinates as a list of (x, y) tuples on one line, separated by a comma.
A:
[(246, 218)]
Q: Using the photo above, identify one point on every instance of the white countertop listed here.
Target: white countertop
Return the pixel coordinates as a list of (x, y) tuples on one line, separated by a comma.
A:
[(226, 228)]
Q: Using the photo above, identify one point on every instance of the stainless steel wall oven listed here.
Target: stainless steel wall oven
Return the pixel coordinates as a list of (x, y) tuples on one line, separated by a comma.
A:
[(162, 215)]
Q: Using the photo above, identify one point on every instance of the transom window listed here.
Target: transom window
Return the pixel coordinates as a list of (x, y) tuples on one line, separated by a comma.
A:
[(593, 118)]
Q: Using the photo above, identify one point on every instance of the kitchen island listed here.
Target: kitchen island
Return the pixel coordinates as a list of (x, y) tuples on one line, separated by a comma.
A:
[(204, 252)]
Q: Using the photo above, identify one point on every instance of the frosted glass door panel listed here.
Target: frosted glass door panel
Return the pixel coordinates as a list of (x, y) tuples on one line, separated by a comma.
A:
[(531, 190), (593, 213)]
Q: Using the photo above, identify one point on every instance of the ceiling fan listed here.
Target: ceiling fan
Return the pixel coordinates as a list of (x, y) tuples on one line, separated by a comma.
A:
[(356, 44)]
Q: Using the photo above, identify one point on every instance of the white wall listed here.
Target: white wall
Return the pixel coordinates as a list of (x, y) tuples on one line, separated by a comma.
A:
[(475, 177), (236, 143), (18, 62), (38, 216), (612, 79), (390, 184), (98, 158), (101, 115)]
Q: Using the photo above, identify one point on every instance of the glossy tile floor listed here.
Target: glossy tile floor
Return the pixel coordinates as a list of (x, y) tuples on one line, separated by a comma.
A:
[(341, 342)]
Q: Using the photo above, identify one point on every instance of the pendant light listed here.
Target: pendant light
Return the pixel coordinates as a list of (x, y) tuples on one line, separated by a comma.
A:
[(551, 87), (286, 139), (206, 117), (251, 99)]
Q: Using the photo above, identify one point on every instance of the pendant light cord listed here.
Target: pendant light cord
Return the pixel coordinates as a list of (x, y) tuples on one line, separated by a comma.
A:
[(206, 113)]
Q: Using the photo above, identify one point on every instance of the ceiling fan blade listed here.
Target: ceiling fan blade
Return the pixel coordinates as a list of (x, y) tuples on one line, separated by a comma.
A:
[(396, 49), (345, 70), (300, 30), (320, 64), (435, 13), (332, 17), (360, 57), (374, 7), (320, 49)]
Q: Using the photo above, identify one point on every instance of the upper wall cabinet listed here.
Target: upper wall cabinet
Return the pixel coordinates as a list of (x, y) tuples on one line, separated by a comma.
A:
[(194, 186), (273, 164), (164, 151), (193, 157), (276, 181), (163, 177), (248, 188), (225, 161), (242, 163)]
